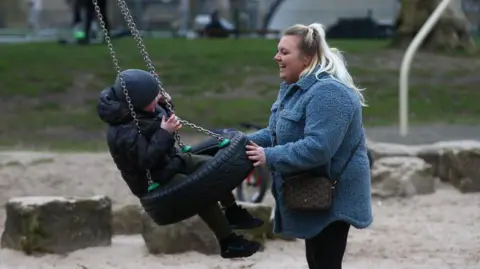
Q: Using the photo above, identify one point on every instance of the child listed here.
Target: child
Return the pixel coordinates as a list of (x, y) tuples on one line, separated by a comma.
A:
[(155, 150)]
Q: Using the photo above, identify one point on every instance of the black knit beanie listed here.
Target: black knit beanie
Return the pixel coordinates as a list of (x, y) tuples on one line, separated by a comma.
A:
[(141, 85)]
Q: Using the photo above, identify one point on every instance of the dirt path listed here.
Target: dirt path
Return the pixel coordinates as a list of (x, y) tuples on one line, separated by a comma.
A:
[(425, 134), (417, 134)]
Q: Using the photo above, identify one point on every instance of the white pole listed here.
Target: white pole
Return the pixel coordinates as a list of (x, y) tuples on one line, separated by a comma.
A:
[(406, 63)]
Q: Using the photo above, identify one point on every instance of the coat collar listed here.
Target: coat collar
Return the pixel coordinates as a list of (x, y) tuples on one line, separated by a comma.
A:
[(304, 83)]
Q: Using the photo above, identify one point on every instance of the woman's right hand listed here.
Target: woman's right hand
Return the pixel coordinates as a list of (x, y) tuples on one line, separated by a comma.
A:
[(172, 124)]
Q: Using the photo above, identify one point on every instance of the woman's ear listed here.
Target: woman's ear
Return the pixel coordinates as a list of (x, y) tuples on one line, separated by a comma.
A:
[(306, 60)]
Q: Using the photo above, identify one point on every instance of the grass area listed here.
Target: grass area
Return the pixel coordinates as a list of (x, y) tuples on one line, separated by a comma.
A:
[(49, 91)]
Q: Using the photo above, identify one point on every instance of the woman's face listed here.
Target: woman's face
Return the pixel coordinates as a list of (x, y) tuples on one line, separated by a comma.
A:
[(290, 59)]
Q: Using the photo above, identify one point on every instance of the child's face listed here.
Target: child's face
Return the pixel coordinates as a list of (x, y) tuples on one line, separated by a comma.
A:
[(153, 104)]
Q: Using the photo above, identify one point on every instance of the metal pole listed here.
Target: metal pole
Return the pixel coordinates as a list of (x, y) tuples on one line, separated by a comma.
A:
[(406, 63)]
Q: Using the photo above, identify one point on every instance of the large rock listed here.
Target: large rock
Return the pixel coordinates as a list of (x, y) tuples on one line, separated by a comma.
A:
[(402, 177), (381, 150), (57, 224), (191, 234), (464, 169), (127, 219), (452, 161), (194, 235)]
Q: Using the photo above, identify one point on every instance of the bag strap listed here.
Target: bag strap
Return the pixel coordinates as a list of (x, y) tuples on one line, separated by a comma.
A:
[(335, 181)]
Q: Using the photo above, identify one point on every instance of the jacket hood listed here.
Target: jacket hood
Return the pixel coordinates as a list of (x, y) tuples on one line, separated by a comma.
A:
[(111, 109)]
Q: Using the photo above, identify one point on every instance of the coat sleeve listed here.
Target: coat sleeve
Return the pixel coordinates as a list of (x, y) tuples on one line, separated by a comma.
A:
[(328, 116), (261, 137), (150, 152)]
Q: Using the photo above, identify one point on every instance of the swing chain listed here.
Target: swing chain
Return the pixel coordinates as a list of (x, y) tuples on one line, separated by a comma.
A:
[(143, 51), (136, 35), (122, 82)]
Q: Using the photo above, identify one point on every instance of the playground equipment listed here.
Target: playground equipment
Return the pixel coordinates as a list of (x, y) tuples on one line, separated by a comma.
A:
[(407, 61)]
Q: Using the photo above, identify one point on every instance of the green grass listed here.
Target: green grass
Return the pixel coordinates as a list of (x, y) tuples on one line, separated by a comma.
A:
[(49, 91)]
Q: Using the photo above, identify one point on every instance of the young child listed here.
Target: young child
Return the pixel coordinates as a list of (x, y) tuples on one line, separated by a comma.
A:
[(155, 150)]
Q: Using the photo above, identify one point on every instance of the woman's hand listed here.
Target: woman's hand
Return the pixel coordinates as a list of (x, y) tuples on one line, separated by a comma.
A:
[(256, 153), (172, 124)]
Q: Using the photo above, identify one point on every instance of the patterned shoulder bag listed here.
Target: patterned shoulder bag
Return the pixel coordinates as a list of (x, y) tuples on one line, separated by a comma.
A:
[(307, 191)]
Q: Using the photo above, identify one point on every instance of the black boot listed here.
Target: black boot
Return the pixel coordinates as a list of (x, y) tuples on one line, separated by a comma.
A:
[(240, 218), (236, 246)]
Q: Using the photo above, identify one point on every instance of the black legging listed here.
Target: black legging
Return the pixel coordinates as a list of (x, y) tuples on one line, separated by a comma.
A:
[(91, 14), (326, 250), (77, 11)]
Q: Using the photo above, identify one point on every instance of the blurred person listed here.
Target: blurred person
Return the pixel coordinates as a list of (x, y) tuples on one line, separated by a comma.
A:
[(84, 36), (184, 14), (34, 14), (215, 29)]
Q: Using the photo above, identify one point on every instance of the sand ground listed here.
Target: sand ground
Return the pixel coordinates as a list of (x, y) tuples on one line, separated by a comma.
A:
[(437, 231)]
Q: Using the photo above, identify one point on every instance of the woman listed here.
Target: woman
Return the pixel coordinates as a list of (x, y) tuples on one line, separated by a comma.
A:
[(316, 121)]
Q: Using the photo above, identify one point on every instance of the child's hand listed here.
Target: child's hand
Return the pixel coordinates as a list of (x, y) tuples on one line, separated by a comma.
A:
[(172, 124), (163, 99), (168, 97)]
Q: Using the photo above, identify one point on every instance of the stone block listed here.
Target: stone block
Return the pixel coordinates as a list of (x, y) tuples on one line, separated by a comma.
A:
[(50, 224)]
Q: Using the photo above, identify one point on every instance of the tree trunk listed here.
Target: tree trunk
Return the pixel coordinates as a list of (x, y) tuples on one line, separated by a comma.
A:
[(272, 9), (450, 32)]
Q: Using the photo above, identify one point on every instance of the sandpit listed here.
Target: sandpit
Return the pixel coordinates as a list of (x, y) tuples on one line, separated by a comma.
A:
[(440, 230)]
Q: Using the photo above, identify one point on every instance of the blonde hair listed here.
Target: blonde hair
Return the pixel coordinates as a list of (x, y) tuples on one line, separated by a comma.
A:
[(330, 60)]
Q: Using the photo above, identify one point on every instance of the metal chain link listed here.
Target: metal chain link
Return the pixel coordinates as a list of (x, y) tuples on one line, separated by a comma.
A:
[(143, 51), (136, 35), (119, 70)]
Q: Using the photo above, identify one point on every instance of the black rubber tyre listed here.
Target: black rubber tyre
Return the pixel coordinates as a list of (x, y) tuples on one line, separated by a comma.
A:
[(210, 147), (206, 147), (263, 173), (206, 186)]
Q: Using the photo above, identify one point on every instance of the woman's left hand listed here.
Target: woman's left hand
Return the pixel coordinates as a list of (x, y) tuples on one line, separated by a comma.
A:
[(256, 153)]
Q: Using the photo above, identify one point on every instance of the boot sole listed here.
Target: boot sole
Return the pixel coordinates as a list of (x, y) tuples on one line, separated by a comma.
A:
[(255, 250)]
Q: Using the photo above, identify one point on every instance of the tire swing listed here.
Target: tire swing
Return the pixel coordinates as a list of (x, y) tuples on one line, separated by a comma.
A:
[(206, 186)]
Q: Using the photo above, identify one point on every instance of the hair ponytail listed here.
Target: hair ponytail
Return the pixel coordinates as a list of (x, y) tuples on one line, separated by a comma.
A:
[(332, 62)]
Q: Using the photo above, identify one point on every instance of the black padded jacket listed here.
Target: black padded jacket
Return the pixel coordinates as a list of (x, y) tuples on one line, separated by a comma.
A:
[(132, 152)]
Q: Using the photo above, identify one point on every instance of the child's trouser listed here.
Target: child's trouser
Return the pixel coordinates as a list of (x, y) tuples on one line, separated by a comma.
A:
[(213, 215)]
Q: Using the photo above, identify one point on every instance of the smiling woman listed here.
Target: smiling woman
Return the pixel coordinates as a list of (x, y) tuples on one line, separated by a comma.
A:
[(315, 139), (298, 61)]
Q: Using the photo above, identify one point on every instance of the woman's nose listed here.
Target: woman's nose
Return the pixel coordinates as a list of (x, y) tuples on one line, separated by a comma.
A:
[(277, 57)]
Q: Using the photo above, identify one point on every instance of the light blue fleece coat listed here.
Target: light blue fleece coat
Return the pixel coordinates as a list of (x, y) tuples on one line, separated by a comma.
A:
[(318, 122)]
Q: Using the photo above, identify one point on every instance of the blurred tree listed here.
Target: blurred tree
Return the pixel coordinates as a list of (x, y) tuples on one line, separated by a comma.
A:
[(450, 33), (272, 9), (192, 13)]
